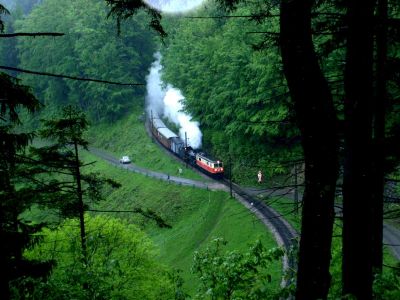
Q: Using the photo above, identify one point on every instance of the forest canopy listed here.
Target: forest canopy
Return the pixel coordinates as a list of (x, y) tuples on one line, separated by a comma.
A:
[(90, 48)]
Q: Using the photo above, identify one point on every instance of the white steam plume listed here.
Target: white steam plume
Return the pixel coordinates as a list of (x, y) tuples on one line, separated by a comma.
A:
[(154, 87), (167, 102), (174, 6)]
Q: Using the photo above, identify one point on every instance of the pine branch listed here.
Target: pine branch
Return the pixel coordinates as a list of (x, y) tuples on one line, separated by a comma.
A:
[(68, 77), (33, 34)]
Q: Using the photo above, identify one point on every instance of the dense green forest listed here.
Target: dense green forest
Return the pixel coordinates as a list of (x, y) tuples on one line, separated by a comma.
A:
[(238, 93), (275, 85), (90, 48)]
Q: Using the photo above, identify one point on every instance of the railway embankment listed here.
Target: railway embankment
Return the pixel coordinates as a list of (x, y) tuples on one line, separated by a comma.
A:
[(284, 234)]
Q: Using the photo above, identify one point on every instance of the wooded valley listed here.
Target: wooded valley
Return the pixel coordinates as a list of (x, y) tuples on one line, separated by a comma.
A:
[(306, 91)]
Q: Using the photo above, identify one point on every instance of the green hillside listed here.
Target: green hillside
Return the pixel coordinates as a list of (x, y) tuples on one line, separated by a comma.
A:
[(197, 216)]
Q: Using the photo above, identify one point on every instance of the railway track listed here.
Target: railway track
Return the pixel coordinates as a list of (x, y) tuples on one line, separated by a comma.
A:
[(286, 232), (285, 235), (283, 232)]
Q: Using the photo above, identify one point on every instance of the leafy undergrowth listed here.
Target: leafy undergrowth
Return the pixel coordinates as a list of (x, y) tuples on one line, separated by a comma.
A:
[(128, 136), (196, 216)]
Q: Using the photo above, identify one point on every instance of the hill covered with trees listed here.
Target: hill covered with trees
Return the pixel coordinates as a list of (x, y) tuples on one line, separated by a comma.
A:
[(90, 48), (234, 87)]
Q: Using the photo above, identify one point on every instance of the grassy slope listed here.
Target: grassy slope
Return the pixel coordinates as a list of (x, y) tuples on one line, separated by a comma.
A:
[(197, 216)]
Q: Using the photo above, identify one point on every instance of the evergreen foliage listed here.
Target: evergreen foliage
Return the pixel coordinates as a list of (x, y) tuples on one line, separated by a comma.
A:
[(18, 189), (63, 157)]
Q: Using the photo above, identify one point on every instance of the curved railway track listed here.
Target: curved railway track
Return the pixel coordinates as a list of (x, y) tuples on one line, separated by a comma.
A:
[(283, 232), (286, 232)]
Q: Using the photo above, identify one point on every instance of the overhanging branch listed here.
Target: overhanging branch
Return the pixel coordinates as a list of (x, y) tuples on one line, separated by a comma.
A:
[(264, 32), (68, 77), (33, 34)]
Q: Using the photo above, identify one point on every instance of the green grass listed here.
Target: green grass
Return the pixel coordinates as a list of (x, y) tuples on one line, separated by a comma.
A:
[(128, 136), (197, 216), (218, 218)]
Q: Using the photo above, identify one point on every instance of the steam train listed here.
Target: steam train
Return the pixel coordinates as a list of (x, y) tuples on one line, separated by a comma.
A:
[(176, 145)]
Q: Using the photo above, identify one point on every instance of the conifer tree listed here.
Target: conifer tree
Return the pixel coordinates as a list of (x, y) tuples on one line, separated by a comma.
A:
[(62, 157), (17, 191)]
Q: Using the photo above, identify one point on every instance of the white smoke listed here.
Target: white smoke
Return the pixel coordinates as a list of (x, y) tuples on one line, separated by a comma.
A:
[(174, 6), (154, 87), (167, 102)]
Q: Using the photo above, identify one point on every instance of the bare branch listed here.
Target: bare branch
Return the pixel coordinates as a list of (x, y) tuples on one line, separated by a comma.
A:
[(33, 34), (265, 32), (68, 77)]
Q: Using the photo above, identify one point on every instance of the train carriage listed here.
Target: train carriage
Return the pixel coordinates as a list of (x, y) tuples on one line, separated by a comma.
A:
[(165, 135), (156, 124)]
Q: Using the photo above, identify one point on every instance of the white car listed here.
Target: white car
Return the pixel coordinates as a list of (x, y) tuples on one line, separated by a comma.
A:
[(125, 160)]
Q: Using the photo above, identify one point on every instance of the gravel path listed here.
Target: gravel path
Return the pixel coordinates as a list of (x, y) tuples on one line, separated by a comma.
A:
[(213, 185), (391, 238)]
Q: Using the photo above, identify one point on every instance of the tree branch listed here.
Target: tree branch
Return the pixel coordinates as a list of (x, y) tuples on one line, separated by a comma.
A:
[(68, 77), (34, 34), (264, 32)]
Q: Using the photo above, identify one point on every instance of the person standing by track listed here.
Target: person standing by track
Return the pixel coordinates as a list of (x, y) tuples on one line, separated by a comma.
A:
[(259, 177)]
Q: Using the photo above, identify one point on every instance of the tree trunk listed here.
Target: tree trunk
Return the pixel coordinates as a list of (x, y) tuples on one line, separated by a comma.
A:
[(358, 178), (80, 204), (316, 118), (379, 136)]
